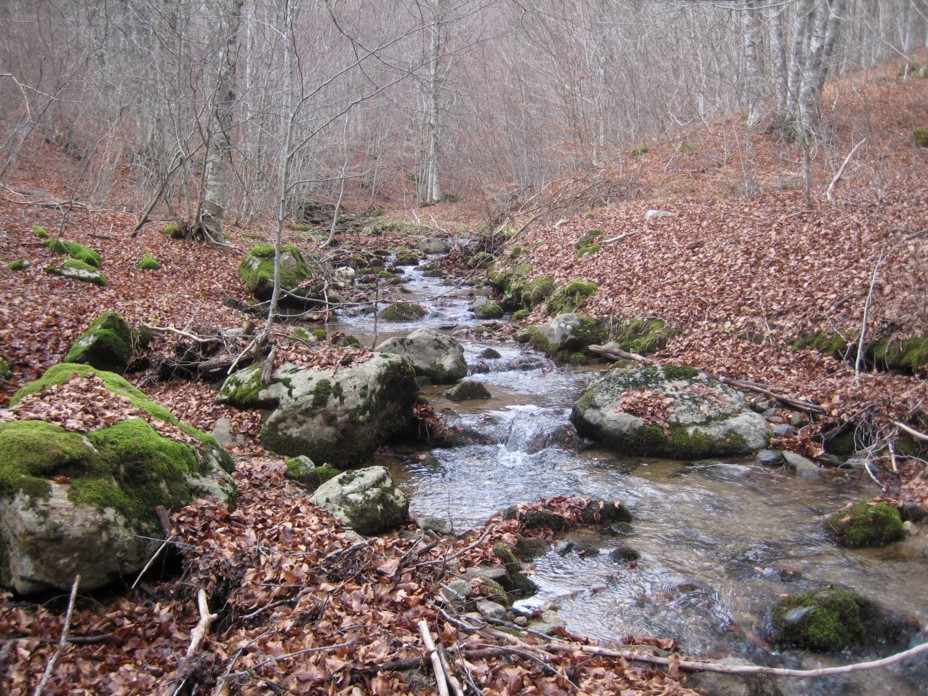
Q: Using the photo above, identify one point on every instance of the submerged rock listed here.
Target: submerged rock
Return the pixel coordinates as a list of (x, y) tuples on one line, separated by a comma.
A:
[(366, 500), (669, 411), (84, 502), (468, 391), (434, 354), (831, 620)]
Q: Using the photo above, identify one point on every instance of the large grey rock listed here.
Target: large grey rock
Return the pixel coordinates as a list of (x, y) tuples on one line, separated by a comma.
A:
[(675, 412), (83, 503), (567, 332), (366, 500), (337, 417), (434, 354), (803, 467)]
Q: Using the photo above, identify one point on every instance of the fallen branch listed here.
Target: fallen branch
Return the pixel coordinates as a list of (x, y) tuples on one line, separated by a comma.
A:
[(737, 669), (440, 678), (834, 182), (613, 352), (62, 641), (914, 433), (197, 636)]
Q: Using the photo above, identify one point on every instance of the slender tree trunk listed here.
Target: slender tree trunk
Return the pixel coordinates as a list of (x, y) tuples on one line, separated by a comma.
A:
[(754, 80), (219, 161), (801, 29), (777, 49)]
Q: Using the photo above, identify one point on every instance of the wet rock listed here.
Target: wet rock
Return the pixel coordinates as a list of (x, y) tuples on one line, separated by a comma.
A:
[(434, 245), (669, 411), (335, 417), (803, 467), (366, 500), (624, 554), (467, 391), (491, 610), (490, 354), (566, 332), (770, 458), (912, 512), (834, 619), (866, 524), (488, 310), (528, 548), (549, 623), (604, 512), (783, 430), (440, 525), (403, 311), (433, 354)]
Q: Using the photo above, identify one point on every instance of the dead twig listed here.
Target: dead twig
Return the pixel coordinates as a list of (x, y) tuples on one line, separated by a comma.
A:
[(62, 641), (197, 636), (834, 182), (440, 678)]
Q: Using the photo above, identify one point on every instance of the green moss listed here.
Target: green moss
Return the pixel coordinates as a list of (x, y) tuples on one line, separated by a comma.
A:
[(149, 263), (588, 250), (588, 239), (40, 232), (75, 250), (403, 311), (32, 452), (639, 151), (488, 310), (326, 472), (20, 265), (6, 368), (680, 372), (520, 314), (322, 390), (834, 344), (78, 270), (570, 297), (257, 269), (920, 136), (867, 524), (173, 229), (107, 344), (526, 294), (910, 355), (506, 555), (641, 335), (825, 620), (624, 554)]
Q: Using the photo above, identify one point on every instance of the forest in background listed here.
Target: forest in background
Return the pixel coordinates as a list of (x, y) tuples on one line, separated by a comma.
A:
[(237, 109)]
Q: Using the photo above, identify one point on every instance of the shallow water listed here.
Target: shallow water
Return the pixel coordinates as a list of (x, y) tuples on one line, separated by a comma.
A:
[(720, 541)]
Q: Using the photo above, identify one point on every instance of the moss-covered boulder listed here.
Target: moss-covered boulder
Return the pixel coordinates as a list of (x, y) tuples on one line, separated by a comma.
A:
[(403, 311), (78, 491), (433, 354), (567, 333), (366, 500), (78, 270), (524, 293), (905, 355), (920, 136), (148, 263), (6, 368), (106, 345), (332, 416), (669, 411), (642, 335), (467, 391), (76, 251), (257, 271), (488, 310), (867, 524), (831, 620), (303, 471), (20, 265)]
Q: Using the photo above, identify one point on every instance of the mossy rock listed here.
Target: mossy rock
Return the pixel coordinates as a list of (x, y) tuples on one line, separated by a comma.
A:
[(523, 293), (62, 372), (570, 297), (587, 250), (488, 310), (408, 257), (403, 311), (867, 524), (566, 335), (639, 151), (920, 136), (831, 620), (301, 470), (257, 270), (148, 263), (20, 265), (75, 250), (588, 239), (467, 391), (78, 270), (642, 335), (481, 259), (6, 368), (907, 355), (106, 345), (520, 315), (624, 554), (245, 389), (40, 232), (834, 344)]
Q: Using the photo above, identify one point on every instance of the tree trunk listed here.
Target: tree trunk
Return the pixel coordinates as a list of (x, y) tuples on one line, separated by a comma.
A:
[(777, 49), (219, 161), (752, 62), (432, 181)]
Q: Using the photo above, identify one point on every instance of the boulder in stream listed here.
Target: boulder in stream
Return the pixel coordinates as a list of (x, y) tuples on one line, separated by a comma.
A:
[(567, 332), (434, 354), (338, 416), (867, 524), (366, 500), (835, 619), (669, 411)]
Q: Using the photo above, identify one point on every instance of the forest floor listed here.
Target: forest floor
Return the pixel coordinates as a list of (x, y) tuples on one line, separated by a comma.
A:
[(743, 268)]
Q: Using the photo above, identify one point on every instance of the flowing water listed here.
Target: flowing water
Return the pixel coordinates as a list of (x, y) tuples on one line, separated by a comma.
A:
[(720, 541)]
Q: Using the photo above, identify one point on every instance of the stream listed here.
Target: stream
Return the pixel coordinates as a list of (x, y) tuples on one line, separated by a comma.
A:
[(720, 540)]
